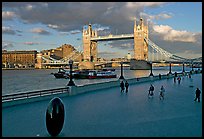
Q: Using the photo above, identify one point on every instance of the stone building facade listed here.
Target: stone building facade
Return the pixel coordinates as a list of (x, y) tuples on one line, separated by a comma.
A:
[(66, 51), (18, 59)]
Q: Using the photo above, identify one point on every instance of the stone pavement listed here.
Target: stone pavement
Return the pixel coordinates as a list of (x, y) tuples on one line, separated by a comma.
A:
[(109, 113)]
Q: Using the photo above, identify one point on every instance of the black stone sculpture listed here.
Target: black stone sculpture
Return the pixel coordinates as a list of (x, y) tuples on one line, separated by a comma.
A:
[(55, 116)]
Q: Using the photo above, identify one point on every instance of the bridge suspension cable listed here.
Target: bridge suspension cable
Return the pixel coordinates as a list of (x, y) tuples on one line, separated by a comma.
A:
[(169, 55)]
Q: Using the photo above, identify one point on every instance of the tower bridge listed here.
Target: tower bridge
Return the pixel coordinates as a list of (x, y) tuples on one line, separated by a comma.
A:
[(145, 50), (91, 38)]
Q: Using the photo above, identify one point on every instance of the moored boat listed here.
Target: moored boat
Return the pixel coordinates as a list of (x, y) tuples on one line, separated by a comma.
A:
[(61, 73), (94, 74), (86, 74)]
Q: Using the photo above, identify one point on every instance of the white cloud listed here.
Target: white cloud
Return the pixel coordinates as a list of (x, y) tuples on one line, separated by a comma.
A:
[(64, 33), (31, 43), (29, 7), (6, 45), (8, 15), (40, 31), (143, 4), (8, 30), (75, 31), (53, 26), (168, 33), (156, 17)]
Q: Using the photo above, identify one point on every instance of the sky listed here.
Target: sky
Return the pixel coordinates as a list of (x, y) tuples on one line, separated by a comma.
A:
[(174, 26)]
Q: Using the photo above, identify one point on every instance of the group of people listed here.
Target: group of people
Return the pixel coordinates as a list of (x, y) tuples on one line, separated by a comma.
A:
[(178, 78), (124, 86), (151, 92)]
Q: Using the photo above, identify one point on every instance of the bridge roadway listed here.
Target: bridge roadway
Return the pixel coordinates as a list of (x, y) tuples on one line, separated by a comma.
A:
[(113, 37), (109, 113)]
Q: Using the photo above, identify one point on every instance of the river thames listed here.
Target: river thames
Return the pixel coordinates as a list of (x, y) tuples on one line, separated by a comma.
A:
[(19, 81)]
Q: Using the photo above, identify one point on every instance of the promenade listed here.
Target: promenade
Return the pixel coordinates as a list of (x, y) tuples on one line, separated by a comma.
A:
[(110, 113)]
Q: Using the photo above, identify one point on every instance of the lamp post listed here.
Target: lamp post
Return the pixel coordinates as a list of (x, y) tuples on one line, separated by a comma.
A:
[(183, 67), (151, 74), (121, 75), (170, 68), (71, 83)]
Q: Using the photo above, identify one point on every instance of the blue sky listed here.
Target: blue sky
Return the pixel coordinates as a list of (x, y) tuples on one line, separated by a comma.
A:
[(175, 26)]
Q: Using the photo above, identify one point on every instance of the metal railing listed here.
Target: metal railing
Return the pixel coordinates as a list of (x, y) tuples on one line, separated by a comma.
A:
[(39, 93)]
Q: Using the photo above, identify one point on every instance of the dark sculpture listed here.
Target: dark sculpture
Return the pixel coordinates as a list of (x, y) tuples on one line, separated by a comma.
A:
[(55, 116)]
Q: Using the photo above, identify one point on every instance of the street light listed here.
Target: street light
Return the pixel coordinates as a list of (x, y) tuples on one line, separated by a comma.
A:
[(170, 68), (121, 75), (71, 83), (183, 67), (151, 74)]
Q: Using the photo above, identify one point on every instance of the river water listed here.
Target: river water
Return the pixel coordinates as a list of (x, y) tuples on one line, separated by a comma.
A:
[(18, 81)]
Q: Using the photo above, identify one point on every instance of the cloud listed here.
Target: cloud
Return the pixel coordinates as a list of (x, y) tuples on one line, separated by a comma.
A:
[(159, 16), (109, 17), (53, 26), (169, 34), (123, 44), (75, 31), (107, 54), (31, 43), (8, 30), (62, 16), (8, 15), (6, 45), (64, 33), (143, 4), (40, 31)]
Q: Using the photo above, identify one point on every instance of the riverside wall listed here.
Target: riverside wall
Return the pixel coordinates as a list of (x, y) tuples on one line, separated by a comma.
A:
[(81, 89)]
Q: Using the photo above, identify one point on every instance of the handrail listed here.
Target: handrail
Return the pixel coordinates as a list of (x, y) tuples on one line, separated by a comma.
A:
[(35, 93)]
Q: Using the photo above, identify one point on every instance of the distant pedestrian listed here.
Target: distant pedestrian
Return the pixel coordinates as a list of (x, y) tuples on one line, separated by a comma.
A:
[(198, 92), (161, 95), (122, 86), (159, 76), (126, 86), (175, 74), (179, 79), (174, 79), (189, 75), (151, 91)]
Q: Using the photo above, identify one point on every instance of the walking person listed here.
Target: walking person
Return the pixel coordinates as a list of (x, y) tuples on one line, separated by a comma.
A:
[(160, 76), (174, 79), (122, 86), (179, 79), (189, 75), (151, 90), (126, 86), (161, 95), (198, 92)]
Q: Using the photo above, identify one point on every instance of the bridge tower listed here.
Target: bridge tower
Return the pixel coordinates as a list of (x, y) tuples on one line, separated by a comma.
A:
[(140, 47), (90, 47)]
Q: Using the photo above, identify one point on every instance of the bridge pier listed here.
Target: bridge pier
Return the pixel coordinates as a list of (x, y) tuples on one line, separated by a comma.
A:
[(86, 65), (139, 65)]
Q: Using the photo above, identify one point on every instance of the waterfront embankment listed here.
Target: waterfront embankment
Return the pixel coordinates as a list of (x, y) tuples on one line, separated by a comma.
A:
[(27, 97)]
